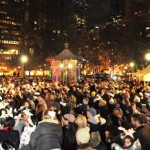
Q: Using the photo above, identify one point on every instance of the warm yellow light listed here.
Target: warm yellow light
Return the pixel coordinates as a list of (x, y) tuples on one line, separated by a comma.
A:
[(61, 65), (70, 66), (125, 67), (131, 64), (147, 56), (39, 73), (24, 59)]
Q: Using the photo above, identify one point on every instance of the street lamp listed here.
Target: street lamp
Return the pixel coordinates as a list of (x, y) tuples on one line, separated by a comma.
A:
[(132, 66), (147, 56), (70, 66), (61, 66), (24, 59)]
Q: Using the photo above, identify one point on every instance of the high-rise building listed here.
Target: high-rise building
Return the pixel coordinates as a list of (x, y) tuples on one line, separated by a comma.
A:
[(10, 29), (20, 20)]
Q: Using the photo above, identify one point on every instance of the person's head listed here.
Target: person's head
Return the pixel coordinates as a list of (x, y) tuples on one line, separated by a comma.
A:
[(128, 141), (93, 94), (27, 104), (49, 114), (41, 97), (68, 118), (85, 101), (126, 102), (49, 96), (81, 121), (72, 111), (83, 136), (95, 139), (117, 112), (9, 122), (55, 106), (102, 103), (25, 115), (40, 108), (8, 98), (137, 120), (91, 112), (3, 113)]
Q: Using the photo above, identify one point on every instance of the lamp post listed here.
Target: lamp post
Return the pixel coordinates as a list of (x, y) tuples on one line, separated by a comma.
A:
[(132, 66), (24, 59), (62, 72), (70, 66)]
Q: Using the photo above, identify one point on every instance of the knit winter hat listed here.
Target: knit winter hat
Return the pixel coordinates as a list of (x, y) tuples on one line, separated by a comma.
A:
[(83, 135), (92, 111), (93, 94), (70, 117), (56, 105)]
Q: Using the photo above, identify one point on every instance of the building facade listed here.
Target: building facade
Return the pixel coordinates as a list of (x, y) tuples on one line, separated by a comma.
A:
[(10, 30)]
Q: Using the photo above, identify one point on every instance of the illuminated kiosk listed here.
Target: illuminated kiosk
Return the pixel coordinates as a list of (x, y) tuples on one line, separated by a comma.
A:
[(65, 66)]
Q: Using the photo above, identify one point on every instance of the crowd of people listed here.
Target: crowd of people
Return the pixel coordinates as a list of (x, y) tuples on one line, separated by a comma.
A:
[(38, 114)]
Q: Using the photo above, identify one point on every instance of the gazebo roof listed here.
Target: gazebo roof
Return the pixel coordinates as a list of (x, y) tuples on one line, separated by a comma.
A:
[(66, 54)]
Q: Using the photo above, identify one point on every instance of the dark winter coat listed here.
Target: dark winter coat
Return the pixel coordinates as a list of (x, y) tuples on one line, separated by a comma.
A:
[(143, 134), (69, 140), (47, 135), (11, 137)]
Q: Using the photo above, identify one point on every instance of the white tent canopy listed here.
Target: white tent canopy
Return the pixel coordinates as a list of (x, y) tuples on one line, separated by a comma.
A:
[(144, 75)]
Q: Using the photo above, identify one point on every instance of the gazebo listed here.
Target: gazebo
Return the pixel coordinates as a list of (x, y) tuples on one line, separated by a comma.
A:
[(65, 66)]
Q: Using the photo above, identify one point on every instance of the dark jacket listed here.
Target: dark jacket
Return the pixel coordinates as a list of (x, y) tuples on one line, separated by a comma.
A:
[(69, 140), (47, 135), (143, 134), (101, 146), (11, 137)]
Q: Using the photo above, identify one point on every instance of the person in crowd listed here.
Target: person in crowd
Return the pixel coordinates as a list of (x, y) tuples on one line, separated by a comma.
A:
[(96, 141), (115, 101), (69, 132), (83, 132), (3, 115), (8, 136), (40, 109), (49, 99), (128, 144), (22, 120), (103, 109), (112, 134), (56, 108), (41, 100), (142, 131), (48, 133), (119, 119), (82, 107), (127, 108), (95, 121), (28, 128)]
